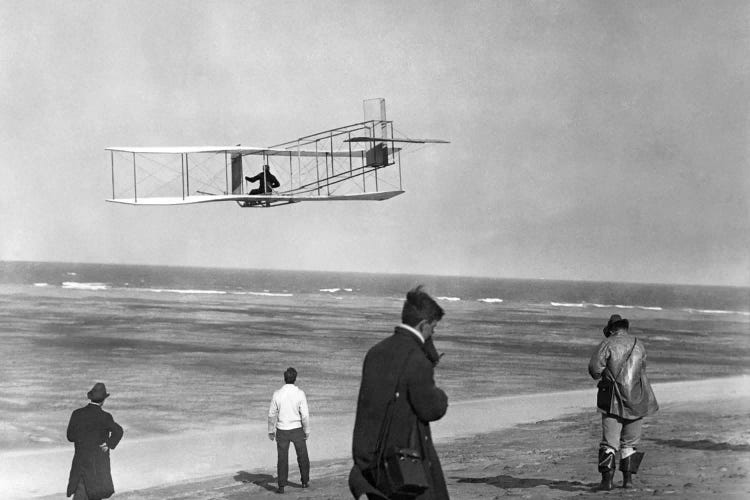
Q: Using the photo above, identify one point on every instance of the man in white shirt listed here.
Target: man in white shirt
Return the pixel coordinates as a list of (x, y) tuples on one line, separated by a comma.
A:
[(289, 421)]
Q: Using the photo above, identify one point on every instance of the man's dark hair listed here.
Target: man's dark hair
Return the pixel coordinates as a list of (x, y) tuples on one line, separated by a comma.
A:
[(290, 375), (420, 306)]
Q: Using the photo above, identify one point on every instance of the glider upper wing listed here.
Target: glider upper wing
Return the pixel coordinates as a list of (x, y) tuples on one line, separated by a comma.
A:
[(242, 150)]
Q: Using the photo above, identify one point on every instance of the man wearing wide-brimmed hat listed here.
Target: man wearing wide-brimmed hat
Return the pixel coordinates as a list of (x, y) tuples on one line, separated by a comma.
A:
[(625, 397), (94, 433)]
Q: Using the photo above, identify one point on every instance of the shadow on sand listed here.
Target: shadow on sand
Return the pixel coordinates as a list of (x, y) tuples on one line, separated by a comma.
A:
[(702, 444), (263, 480), (507, 482)]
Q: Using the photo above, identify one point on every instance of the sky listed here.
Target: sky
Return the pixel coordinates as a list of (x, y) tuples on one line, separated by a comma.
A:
[(590, 140)]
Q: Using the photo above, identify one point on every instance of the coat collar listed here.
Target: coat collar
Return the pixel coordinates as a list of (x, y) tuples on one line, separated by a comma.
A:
[(411, 332)]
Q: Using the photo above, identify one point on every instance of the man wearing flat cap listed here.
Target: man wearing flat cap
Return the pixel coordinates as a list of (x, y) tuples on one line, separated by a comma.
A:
[(94, 433), (625, 397)]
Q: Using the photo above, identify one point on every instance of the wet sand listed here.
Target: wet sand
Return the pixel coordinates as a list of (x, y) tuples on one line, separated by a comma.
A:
[(535, 446)]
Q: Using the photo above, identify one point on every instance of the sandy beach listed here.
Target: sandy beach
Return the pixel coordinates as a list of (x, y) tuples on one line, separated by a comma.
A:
[(528, 446)]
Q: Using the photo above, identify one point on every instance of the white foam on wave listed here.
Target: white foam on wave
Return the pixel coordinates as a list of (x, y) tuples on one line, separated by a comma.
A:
[(567, 304), (330, 290), (268, 294), (450, 299), (186, 291), (620, 306), (71, 274), (716, 311), (490, 300), (84, 286), (41, 284)]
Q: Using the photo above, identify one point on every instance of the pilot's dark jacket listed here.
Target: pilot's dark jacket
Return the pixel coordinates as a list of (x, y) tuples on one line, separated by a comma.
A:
[(420, 402), (89, 427), (633, 396), (266, 180)]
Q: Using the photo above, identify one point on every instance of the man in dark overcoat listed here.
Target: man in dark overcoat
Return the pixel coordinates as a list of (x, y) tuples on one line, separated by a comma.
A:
[(94, 433), (400, 370)]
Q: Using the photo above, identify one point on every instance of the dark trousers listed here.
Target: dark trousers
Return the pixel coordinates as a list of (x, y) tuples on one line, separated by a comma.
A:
[(283, 438)]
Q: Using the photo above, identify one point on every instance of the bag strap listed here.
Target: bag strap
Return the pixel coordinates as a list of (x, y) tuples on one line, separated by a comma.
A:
[(626, 360), (389, 411)]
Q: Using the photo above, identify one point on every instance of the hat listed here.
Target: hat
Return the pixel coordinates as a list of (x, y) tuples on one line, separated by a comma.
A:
[(615, 322), (98, 392)]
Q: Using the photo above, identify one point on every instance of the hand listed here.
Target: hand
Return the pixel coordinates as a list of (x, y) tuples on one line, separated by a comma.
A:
[(104, 447), (307, 436), (271, 436)]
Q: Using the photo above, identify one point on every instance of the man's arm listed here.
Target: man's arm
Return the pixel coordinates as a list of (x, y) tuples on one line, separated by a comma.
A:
[(304, 414), (598, 361), (253, 178), (115, 433), (428, 401), (71, 433), (273, 412)]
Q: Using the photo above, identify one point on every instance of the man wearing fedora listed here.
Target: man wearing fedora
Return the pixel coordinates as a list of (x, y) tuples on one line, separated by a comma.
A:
[(94, 433), (625, 397)]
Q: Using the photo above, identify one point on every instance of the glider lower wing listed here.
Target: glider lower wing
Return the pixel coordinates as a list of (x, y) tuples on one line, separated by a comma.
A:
[(273, 199)]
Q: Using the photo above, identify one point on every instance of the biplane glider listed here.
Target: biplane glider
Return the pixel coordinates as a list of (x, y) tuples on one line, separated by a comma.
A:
[(354, 162)]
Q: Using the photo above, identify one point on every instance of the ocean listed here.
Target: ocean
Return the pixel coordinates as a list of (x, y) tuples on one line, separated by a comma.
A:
[(185, 349)]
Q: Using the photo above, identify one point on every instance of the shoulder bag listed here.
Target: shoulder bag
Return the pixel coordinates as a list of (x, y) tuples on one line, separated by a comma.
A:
[(400, 470)]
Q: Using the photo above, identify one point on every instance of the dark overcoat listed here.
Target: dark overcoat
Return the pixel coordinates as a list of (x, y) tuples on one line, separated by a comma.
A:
[(420, 402), (88, 428)]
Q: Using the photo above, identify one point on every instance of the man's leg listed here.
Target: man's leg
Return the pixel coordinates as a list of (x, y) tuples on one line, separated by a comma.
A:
[(282, 448), (610, 443), (630, 460), (300, 447), (611, 430), (80, 493)]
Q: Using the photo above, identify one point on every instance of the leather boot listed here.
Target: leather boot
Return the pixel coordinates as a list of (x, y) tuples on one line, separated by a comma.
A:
[(607, 480), (629, 466), (607, 468)]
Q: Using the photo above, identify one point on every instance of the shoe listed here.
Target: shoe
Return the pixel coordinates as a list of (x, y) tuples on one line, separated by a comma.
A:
[(280, 490), (305, 485)]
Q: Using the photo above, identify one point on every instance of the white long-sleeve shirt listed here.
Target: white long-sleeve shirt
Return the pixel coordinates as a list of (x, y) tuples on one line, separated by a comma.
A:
[(288, 410)]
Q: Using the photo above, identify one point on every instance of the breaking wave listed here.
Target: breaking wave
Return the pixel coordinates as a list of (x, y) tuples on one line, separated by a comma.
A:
[(177, 290), (267, 294), (567, 304), (490, 300), (716, 311), (605, 306), (84, 286)]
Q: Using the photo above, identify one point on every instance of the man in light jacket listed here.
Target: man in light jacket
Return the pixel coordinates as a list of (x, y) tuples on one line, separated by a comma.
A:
[(620, 363), (289, 421)]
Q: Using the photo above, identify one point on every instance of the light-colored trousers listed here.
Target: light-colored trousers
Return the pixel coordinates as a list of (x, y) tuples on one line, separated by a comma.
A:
[(620, 434)]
